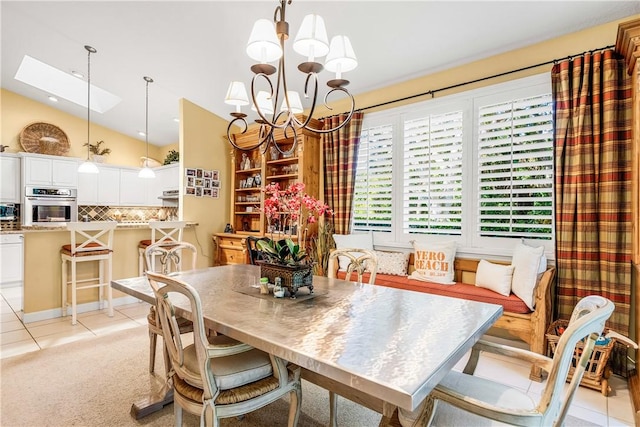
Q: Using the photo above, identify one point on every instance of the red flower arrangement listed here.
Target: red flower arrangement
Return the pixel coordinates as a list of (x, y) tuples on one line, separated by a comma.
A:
[(287, 209)]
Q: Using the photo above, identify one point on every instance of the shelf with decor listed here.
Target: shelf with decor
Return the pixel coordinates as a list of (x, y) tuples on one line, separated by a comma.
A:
[(303, 165)]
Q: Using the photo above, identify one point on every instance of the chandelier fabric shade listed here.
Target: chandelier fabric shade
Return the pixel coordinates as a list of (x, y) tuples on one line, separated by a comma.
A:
[(263, 45), (311, 40), (294, 102), (237, 95), (267, 44), (341, 57)]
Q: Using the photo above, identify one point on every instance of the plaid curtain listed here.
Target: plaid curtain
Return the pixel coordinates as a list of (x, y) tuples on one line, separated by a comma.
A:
[(340, 149), (593, 119)]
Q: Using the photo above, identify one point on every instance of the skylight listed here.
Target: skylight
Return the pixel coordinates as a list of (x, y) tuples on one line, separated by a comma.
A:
[(63, 85)]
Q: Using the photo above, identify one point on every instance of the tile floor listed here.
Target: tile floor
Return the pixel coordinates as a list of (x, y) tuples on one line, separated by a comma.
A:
[(17, 338)]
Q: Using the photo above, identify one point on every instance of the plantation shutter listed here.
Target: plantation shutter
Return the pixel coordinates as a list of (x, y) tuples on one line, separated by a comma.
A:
[(515, 168), (432, 193), (372, 204)]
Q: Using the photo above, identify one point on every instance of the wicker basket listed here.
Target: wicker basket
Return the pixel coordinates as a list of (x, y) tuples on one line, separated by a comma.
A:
[(597, 371), (293, 276)]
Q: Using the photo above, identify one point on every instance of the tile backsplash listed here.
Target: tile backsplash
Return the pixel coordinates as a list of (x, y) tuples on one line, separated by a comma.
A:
[(127, 213)]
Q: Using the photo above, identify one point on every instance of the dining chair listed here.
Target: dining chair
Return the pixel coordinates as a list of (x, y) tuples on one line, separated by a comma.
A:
[(217, 377), (169, 255), (360, 261), (161, 232), (255, 254), (90, 241), (462, 391)]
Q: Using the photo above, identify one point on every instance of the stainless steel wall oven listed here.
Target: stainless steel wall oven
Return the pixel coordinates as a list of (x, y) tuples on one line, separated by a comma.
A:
[(49, 206)]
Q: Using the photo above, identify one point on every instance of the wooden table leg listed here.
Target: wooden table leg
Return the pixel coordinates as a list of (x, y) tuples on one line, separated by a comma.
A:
[(152, 403)]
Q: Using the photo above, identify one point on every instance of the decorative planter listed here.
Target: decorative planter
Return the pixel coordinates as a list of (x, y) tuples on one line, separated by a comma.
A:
[(293, 277)]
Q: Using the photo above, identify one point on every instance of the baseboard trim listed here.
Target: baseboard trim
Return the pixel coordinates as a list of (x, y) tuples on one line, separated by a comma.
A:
[(81, 308), (634, 391)]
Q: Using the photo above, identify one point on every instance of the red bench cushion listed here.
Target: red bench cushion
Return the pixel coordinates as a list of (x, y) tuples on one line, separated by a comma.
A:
[(512, 303)]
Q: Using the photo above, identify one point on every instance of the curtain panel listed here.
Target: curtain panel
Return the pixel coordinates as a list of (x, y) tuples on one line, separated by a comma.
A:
[(340, 149), (593, 117)]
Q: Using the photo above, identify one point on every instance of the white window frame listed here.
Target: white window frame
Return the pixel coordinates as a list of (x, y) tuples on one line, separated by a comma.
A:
[(469, 244)]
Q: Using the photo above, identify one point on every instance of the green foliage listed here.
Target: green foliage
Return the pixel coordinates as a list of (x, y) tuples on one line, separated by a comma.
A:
[(284, 251), (172, 156), (95, 148)]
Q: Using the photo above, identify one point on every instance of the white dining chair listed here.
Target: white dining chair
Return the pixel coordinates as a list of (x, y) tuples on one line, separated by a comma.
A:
[(479, 398), (169, 255), (218, 377)]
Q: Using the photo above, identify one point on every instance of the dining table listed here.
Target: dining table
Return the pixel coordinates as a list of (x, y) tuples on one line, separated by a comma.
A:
[(381, 347)]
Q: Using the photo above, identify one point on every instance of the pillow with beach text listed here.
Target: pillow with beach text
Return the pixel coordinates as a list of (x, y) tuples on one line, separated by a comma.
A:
[(433, 262)]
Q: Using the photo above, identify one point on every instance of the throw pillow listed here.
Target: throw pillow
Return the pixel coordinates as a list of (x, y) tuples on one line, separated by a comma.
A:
[(393, 263), (527, 264), (434, 262), (348, 241), (495, 277)]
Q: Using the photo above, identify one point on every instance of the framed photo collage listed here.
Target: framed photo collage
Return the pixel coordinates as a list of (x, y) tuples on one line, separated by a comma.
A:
[(202, 182)]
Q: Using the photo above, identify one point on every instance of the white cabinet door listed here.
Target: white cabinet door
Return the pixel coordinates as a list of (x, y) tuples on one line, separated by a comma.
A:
[(37, 171), (133, 190), (9, 179), (64, 173), (88, 189), (50, 171), (109, 186)]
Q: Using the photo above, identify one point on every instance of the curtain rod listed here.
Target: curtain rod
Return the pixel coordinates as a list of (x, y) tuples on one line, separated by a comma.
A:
[(434, 91)]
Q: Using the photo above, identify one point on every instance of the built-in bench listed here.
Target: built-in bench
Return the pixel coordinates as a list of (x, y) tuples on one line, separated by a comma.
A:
[(517, 318)]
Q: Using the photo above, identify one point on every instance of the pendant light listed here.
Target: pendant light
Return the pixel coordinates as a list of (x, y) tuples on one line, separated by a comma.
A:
[(88, 166), (146, 171)]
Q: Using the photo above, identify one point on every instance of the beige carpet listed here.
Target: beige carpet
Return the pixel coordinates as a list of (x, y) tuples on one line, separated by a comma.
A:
[(93, 383)]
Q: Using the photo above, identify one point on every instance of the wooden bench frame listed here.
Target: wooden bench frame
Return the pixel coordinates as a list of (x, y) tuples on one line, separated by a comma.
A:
[(530, 327)]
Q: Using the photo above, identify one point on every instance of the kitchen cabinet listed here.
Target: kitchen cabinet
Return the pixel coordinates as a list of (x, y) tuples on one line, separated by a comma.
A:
[(101, 189), (9, 178), (49, 171), (167, 178), (133, 189)]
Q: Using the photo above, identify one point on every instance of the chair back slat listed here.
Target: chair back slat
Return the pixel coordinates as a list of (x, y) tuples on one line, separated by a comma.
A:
[(360, 260), (166, 231), (169, 255), (91, 236)]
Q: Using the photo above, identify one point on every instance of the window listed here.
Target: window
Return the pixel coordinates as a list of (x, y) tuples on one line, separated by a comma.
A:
[(372, 204), (475, 167)]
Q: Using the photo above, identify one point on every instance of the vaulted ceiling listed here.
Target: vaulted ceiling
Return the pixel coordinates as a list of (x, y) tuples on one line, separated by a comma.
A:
[(193, 49)]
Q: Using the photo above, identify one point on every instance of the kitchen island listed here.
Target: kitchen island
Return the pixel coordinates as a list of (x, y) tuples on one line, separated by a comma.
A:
[(42, 267)]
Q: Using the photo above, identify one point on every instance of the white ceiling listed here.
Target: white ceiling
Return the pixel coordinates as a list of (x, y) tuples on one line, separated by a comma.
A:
[(193, 49)]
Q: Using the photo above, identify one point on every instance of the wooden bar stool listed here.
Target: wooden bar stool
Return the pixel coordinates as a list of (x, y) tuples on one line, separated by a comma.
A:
[(161, 232), (90, 241)]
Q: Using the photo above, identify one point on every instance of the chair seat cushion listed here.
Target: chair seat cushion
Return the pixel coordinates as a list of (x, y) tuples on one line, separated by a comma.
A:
[(226, 397), (66, 249), (485, 390), (144, 243), (471, 387), (232, 371)]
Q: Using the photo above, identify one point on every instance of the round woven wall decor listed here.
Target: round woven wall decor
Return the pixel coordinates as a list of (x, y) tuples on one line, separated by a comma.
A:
[(44, 138)]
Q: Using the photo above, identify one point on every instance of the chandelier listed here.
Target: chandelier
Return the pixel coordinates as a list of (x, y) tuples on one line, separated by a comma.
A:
[(266, 44)]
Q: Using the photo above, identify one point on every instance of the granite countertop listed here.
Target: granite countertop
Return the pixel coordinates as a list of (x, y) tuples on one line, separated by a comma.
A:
[(41, 228)]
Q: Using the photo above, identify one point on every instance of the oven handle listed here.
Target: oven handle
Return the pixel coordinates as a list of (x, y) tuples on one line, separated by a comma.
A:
[(52, 199)]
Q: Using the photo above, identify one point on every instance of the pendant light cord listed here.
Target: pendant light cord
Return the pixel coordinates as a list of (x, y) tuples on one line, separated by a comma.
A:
[(90, 50), (146, 119)]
